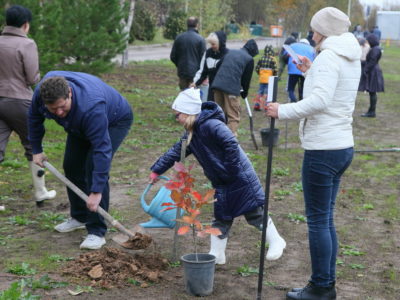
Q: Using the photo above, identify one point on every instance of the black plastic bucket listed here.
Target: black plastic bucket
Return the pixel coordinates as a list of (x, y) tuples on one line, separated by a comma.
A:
[(199, 273), (265, 133)]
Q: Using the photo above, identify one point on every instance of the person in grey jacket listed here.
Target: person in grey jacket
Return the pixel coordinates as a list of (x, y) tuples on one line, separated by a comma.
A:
[(233, 79), (19, 70), (186, 53)]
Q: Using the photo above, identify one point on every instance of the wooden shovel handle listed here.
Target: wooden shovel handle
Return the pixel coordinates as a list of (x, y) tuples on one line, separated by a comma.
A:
[(85, 197)]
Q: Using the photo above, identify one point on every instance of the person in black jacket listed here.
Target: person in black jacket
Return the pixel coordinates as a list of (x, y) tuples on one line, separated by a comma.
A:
[(371, 77), (211, 60), (186, 53), (237, 188), (233, 79)]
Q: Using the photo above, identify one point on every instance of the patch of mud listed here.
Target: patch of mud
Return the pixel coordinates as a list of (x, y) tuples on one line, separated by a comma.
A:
[(111, 267), (138, 241)]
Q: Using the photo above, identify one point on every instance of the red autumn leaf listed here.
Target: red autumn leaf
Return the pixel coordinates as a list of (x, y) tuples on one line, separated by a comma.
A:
[(183, 230), (168, 208), (212, 230), (197, 195), (208, 195), (180, 167), (167, 204), (187, 219)]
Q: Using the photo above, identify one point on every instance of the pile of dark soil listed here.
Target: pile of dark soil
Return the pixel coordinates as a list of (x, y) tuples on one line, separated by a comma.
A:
[(111, 267)]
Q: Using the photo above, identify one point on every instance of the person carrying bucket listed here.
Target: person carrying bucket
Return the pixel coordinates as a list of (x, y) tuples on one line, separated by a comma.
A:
[(237, 188)]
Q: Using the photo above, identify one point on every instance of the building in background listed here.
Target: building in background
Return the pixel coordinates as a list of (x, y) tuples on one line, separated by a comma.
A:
[(389, 24)]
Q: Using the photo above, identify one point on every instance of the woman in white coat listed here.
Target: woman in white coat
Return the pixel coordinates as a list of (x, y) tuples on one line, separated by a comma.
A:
[(325, 112)]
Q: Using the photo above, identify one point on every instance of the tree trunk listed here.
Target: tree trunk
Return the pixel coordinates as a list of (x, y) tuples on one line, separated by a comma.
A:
[(127, 28)]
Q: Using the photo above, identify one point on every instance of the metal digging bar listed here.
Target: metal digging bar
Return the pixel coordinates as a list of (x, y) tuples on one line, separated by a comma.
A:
[(253, 138), (130, 235), (274, 82)]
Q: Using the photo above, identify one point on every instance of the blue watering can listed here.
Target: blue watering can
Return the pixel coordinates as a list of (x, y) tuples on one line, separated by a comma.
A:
[(160, 219)]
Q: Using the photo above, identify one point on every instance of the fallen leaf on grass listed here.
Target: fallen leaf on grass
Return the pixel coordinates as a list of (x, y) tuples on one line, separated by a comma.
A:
[(75, 293), (96, 272)]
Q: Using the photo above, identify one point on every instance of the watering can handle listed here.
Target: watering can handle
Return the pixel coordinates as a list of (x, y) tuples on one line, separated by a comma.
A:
[(145, 206)]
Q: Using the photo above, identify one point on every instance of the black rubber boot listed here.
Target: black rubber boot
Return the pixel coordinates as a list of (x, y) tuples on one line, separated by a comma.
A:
[(373, 99), (299, 289), (312, 292)]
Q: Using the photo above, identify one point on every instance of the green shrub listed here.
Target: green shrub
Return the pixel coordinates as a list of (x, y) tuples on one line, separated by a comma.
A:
[(143, 26), (175, 24)]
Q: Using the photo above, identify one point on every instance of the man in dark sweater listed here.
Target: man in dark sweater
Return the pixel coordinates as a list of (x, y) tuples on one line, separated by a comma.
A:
[(233, 79), (186, 53), (97, 119)]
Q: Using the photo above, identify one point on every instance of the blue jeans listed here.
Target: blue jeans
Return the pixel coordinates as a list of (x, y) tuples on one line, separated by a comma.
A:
[(292, 82), (321, 174), (263, 89), (78, 167)]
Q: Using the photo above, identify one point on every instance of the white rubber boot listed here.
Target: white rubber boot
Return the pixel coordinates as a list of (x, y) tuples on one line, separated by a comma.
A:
[(218, 247), (41, 192), (275, 241)]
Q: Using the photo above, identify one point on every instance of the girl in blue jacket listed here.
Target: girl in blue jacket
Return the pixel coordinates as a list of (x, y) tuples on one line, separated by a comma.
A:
[(237, 188)]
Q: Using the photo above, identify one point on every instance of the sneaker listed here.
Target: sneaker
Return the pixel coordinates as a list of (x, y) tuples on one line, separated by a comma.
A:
[(93, 242), (69, 225)]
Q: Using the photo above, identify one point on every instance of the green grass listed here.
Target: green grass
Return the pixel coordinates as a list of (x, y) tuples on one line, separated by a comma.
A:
[(367, 208)]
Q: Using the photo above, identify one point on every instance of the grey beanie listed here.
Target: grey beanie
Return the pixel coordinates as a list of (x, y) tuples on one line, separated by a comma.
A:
[(330, 21)]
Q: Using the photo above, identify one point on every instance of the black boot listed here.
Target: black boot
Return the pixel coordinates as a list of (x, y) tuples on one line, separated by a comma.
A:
[(299, 289), (312, 292), (373, 99)]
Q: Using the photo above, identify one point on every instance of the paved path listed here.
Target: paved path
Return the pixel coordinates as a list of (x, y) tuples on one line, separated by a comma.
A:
[(162, 51)]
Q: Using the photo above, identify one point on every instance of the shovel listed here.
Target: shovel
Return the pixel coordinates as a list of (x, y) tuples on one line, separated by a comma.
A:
[(253, 138), (133, 240)]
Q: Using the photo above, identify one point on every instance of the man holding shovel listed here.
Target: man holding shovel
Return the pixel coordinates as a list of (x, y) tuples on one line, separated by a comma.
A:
[(97, 119)]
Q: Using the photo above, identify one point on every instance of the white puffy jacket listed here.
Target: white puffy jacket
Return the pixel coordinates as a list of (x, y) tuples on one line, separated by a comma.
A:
[(330, 91)]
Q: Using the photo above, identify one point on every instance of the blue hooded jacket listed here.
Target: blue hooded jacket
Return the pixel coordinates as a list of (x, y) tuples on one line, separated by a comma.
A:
[(238, 189), (301, 49), (95, 107)]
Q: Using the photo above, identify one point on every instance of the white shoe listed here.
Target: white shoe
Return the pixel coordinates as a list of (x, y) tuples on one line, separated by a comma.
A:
[(69, 225), (218, 247), (41, 193), (93, 242), (276, 243)]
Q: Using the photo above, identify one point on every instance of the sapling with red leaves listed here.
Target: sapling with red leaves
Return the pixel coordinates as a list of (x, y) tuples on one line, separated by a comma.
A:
[(187, 198)]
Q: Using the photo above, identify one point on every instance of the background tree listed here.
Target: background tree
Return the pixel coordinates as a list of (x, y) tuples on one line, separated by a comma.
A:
[(75, 35), (143, 26), (175, 24), (126, 22), (213, 15)]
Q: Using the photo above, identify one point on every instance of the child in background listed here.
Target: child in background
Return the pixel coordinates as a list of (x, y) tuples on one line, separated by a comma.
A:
[(265, 68)]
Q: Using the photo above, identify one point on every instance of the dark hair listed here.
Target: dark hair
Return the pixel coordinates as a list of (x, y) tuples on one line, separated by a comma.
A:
[(17, 16), (54, 88), (192, 22)]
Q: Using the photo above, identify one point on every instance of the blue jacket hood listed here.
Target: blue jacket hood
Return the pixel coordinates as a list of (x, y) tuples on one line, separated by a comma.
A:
[(210, 110)]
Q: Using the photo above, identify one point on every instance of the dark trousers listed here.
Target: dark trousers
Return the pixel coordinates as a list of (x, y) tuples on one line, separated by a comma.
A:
[(184, 82), (78, 167), (321, 173), (14, 117), (292, 81), (254, 218)]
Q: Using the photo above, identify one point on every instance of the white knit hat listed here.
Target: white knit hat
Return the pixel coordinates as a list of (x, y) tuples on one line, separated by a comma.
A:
[(330, 21), (188, 102)]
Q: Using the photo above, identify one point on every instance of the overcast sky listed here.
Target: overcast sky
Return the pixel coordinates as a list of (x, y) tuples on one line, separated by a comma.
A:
[(380, 3)]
